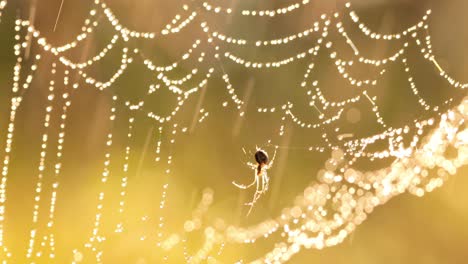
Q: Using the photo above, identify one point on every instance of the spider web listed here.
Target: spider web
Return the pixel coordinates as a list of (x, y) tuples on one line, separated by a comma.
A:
[(362, 169)]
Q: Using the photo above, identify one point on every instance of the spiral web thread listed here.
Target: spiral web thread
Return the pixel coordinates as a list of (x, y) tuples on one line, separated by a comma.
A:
[(324, 214)]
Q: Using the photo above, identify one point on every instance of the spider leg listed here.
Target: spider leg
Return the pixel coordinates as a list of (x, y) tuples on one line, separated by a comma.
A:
[(257, 193), (273, 158), (255, 198), (242, 186), (266, 181), (251, 165), (250, 209), (249, 154), (263, 180)]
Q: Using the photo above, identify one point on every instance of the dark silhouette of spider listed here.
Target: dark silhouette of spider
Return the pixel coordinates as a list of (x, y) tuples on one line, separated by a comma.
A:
[(261, 178)]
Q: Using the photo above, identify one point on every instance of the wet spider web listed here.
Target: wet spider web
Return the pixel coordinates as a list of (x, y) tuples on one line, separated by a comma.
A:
[(361, 168)]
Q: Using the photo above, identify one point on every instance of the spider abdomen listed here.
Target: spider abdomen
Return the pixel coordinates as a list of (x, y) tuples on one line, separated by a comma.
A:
[(261, 157)]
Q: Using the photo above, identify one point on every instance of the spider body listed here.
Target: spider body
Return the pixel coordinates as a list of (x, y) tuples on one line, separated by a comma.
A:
[(262, 159), (261, 178)]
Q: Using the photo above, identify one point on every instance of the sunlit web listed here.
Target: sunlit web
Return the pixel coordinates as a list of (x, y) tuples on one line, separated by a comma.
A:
[(322, 216)]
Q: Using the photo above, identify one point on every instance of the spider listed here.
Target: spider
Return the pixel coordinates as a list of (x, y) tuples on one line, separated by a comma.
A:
[(261, 178)]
